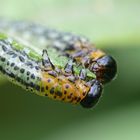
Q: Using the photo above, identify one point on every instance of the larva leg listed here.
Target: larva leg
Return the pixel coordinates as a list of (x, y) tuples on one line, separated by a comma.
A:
[(83, 74), (46, 61), (69, 67)]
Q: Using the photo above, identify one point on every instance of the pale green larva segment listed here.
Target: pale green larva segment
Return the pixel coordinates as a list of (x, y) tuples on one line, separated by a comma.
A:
[(16, 64)]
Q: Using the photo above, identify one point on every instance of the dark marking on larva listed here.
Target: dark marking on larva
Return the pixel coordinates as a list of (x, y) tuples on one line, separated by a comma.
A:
[(28, 73), (69, 97), (32, 76), (37, 87), (32, 84), (84, 93), (16, 68), (21, 59), (42, 89), (38, 78), (14, 56), (22, 70), (49, 80), (10, 53), (59, 93), (69, 47), (8, 63), (1, 68), (46, 94), (3, 59), (66, 86), (31, 90), (18, 79), (47, 87), (4, 48), (75, 98), (65, 92), (52, 90), (12, 64), (71, 100), (78, 99), (11, 75), (29, 64), (37, 67)]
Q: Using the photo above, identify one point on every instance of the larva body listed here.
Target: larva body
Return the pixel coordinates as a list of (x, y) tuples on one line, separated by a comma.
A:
[(77, 47), (60, 65), (28, 71)]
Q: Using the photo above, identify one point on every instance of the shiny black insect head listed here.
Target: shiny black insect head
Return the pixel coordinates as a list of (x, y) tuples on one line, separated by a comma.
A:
[(105, 68), (93, 95)]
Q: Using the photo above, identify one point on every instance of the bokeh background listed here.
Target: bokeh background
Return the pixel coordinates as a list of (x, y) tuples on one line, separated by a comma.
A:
[(113, 25)]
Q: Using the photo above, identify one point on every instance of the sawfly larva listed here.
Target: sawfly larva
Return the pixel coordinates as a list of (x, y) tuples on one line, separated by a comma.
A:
[(51, 63)]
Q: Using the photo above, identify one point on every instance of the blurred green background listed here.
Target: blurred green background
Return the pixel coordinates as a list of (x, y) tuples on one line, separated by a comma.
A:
[(113, 25)]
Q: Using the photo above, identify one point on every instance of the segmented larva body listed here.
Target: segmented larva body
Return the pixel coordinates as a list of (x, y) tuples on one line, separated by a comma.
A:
[(77, 47), (25, 57), (44, 80)]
